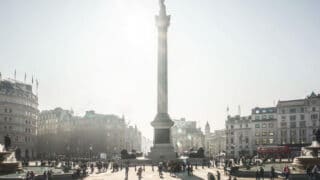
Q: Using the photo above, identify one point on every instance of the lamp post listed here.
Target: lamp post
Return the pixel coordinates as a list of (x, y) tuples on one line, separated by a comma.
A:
[(90, 153), (68, 155)]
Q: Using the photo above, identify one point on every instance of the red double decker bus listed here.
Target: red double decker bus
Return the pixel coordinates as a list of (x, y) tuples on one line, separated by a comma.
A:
[(273, 151)]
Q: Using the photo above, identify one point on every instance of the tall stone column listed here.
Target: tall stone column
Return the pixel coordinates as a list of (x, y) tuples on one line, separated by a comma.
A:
[(162, 123)]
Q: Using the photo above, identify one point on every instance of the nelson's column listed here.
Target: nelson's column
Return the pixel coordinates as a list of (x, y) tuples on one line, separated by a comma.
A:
[(162, 148)]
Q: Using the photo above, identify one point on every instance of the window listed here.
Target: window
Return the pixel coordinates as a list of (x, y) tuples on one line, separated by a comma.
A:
[(257, 141), (5, 110), (271, 141), (302, 124), (313, 109), (292, 110), (293, 125), (302, 117), (257, 134), (264, 125), (283, 124), (264, 141), (5, 119), (10, 110), (270, 116), (231, 140), (314, 123), (314, 116), (302, 110), (264, 117), (257, 118), (247, 140), (247, 125), (293, 118), (271, 133), (257, 125), (283, 111), (283, 133), (231, 126), (264, 133), (283, 117), (270, 125), (240, 125), (292, 132)]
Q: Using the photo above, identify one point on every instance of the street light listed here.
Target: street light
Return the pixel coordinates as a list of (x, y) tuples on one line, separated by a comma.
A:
[(90, 153)]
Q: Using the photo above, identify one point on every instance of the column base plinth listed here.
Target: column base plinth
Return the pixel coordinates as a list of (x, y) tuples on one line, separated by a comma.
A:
[(162, 152)]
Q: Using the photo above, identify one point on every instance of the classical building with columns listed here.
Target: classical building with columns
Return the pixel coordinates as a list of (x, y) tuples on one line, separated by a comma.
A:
[(18, 116)]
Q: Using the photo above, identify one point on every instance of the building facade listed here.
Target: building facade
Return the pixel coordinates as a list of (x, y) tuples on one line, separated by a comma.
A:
[(133, 139), (239, 139), (18, 116), (54, 132), (186, 136), (215, 142), (264, 127), (61, 133), (297, 119)]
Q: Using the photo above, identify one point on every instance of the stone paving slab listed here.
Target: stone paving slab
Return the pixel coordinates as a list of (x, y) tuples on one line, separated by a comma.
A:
[(148, 174)]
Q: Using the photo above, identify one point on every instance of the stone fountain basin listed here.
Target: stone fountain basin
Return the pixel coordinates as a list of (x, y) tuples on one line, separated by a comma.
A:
[(4, 155), (305, 161), (10, 167)]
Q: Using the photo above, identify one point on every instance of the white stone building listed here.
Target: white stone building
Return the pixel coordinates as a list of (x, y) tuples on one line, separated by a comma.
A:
[(185, 136), (18, 115), (239, 139), (297, 119), (215, 142), (264, 123)]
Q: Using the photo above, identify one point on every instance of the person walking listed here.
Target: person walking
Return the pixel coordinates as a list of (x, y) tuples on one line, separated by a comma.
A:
[(272, 173), (160, 169), (261, 173), (257, 175), (139, 173), (286, 172), (218, 175), (127, 171)]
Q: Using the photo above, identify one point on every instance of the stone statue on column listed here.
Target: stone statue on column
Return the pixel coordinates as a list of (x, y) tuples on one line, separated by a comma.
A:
[(162, 7)]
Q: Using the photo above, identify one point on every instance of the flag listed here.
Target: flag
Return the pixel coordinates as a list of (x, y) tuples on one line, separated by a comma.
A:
[(25, 77), (15, 74), (32, 80)]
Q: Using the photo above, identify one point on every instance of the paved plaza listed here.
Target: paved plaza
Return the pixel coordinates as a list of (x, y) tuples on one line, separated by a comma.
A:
[(148, 174)]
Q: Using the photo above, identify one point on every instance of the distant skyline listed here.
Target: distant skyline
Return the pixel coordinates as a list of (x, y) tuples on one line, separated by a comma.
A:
[(102, 55)]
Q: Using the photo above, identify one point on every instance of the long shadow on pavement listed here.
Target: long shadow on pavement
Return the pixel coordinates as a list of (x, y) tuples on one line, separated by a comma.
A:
[(186, 177)]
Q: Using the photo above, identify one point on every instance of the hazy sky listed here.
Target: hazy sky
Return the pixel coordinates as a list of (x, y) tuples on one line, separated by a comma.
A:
[(101, 54)]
